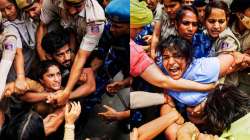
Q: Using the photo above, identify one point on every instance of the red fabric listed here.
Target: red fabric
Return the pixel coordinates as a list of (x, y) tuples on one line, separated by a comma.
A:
[(139, 60)]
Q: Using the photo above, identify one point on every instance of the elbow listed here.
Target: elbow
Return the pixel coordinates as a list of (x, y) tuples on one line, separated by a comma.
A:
[(92, 88)]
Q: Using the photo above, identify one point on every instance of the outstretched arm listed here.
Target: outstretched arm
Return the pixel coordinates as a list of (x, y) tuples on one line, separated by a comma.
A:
[(154, 75)]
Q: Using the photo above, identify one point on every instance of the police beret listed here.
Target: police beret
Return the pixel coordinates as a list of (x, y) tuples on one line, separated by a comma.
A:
[(21, 4), (118, 11)]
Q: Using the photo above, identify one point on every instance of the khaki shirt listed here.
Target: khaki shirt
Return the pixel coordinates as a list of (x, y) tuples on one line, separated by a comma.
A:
[(24, 32), (87, 27), (8, 45), (227, 42), (10, 35), (244, 38), (244, 76)]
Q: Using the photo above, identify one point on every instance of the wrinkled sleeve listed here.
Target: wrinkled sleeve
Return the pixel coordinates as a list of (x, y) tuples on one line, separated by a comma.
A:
[(9, 50), (92, 37), (49, 11), (227, 44)]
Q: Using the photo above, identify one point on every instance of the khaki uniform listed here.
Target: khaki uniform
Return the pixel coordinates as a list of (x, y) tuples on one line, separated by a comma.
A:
[(227, 42), (25, 31), (88, 24), (8, 45), (244, 76)]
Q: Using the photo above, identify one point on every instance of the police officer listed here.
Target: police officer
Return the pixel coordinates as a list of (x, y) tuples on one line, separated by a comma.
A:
[(8, 46), (24, 32), (86, 19)]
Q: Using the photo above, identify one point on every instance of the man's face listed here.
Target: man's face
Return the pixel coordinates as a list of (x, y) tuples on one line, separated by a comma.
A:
[(8, 10), (73, 9), (174, 63), (201, 12), (171, 7), (51, 80), (63, 56), (152, 4), (34, 11), (119, 29), (216, 22)]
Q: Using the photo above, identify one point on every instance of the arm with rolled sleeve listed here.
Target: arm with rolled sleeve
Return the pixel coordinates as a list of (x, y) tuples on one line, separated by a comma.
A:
[(9, 51), (88, 43), (49, 12)]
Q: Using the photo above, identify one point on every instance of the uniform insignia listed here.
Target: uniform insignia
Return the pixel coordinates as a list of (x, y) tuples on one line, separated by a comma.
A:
[(95, 28), (8, 46)]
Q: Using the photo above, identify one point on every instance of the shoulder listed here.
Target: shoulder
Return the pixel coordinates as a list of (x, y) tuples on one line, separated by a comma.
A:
[(205, 69), (227, 41)]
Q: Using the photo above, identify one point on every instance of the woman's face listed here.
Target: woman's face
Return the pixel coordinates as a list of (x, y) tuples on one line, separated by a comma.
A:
[(171, 7), (8, 10), (216, 22), (244, 18), (187, 25), (51, 80), (175, 63)]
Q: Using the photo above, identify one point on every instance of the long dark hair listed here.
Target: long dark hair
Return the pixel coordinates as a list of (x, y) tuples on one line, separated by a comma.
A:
[(225, 105)]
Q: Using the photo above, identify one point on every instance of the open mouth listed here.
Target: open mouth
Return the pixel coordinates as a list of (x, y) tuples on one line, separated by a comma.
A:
[(174, 70)]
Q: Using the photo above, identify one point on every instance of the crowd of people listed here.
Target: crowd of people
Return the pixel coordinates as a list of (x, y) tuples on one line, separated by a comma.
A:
[(58, 58), (189, 40), (186, 63)]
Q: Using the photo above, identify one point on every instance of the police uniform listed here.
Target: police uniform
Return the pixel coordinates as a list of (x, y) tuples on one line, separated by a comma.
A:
[(114, 51), (227, 42), (8, 45), (88, 24), (244, 76), (26, 33)]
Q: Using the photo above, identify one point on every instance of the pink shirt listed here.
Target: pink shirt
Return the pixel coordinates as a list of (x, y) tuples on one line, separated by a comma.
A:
[(139, 60)]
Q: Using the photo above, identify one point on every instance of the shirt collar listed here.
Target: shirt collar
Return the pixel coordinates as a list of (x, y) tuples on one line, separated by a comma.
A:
[(237, 33)]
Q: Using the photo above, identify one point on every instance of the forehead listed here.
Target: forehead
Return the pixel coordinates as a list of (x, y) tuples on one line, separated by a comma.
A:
[(52, 69), (63, 49), (171, 49), (170, 1), (189, 15), (217, 13), (34, 5), (4, 3)]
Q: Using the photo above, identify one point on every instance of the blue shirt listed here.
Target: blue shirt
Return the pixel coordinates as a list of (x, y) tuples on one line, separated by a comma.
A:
[(202, 70)]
